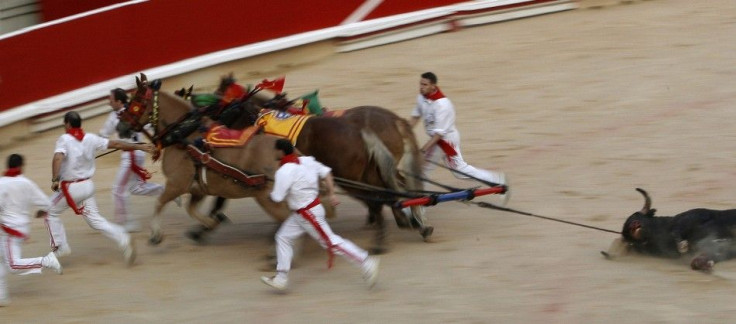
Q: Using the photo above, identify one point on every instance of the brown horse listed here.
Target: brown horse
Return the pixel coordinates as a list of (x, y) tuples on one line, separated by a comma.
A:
[(397, 143), (386, 165), (183, 175), (351, 146)]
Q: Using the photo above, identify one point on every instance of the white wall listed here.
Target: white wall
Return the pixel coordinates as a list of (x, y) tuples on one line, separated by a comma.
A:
[(17, 14)]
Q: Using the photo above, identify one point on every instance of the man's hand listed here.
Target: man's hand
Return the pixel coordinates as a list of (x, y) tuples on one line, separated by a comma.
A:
[(55, 185), (41, 214), (333, 200), (148, 148)]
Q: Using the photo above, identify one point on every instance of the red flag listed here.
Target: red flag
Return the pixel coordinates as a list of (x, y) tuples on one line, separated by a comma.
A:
[(233, 91), (277, 85)]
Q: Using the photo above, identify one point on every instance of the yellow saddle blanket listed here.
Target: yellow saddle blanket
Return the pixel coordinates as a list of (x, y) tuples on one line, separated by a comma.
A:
[(221, 136), (282, 124)]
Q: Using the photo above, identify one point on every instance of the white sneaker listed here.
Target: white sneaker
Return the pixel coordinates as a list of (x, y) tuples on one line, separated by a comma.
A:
[(4, 302), (63, 250), (129, 253), (370, 270), (276, 282), (51, 262)]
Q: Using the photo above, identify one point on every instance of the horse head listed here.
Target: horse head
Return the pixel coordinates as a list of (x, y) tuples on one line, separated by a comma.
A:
[(138, 113)]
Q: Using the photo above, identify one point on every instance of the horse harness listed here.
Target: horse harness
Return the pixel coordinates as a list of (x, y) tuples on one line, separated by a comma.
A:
[(203, 161)]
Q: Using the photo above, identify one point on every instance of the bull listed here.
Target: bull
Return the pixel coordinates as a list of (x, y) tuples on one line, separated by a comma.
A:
[(707, 236)]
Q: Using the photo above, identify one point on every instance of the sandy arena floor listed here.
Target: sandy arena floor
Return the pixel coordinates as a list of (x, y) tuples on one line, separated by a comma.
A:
[(578, 108)]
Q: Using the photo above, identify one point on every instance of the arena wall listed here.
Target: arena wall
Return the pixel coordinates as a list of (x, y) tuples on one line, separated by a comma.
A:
[(71, 63)]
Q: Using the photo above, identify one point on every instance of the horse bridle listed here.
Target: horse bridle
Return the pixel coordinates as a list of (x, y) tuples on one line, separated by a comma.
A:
[(137, 107)]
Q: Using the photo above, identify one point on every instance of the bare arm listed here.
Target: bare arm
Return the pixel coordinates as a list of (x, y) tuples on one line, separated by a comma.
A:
[(330, 184), (55, 170), (125, 146), (413, 121), (431, 142)]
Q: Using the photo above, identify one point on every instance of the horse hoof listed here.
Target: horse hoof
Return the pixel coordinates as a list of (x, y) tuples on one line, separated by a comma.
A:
[(378, 250), (427, 232), (156, 239), (195, 236), (222, 218)]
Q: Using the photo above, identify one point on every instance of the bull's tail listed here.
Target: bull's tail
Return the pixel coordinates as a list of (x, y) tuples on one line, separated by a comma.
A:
[(411, 159), (383, 158)]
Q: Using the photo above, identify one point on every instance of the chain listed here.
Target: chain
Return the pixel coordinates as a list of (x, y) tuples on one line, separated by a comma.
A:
[(154, 114)]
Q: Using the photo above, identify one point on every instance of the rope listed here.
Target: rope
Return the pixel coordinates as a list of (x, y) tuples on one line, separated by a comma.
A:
[(492, 206)]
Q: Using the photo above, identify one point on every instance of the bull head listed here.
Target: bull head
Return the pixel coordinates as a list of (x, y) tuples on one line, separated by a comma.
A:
[(633, 225)]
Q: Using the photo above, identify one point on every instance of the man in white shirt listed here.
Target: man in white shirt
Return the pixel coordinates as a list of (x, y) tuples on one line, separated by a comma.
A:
[(17, 195), (297, 182), (438, 115), (73, 166)]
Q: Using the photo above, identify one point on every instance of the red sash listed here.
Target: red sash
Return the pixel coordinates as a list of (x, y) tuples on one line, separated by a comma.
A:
[(68, 197), (447, 148), (137, 169), (311, 219), (13, 232)]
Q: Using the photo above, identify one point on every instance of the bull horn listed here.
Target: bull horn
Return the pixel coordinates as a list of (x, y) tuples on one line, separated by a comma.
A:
[(647, 201)]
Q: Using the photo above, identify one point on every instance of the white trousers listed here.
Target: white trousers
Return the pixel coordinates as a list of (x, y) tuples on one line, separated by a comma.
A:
[(13, 261), (316, 226), (128, 182), (83, 195), (456, 162)]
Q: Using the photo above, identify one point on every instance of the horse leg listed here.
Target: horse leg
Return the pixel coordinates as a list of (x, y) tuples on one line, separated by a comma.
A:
[(375, 213), (216, 211), (418, 220), (170, 193), (200, 230), (194, 201)]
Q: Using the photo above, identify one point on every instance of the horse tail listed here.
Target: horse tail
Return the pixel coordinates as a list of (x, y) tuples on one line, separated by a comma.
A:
[(411, 160), (381, 155)]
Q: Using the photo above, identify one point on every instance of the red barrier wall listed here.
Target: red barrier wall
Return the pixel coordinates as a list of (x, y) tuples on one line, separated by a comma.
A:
[(88, 50)]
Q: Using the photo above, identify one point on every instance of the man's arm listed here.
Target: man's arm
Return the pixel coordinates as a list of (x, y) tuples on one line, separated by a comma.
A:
[(56, 169), (281, 184), (330, 184), (431, 142), (125, 146), (413, 121)]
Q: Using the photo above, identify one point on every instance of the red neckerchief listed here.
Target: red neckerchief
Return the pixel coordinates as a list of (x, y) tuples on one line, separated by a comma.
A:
[(78, 133), (12, 172), (290, 158), (437, 95)]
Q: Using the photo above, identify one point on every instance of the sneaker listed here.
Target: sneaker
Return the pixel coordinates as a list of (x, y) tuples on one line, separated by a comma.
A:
[(63, 250), (51, 262), (129, 252), (276, 282), (4, 302), (370, 270)]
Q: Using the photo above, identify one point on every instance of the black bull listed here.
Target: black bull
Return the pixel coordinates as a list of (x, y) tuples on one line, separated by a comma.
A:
[(707, 235)]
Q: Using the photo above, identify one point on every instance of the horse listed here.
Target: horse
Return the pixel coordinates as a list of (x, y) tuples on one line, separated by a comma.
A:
[(394, 139), (350, 145)]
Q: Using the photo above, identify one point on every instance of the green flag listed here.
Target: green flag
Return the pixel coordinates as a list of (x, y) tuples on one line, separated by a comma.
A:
[(311, 103)]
